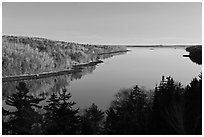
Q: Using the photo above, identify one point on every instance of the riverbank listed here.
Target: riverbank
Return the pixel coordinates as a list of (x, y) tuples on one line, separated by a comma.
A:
[(74, 69), (87, 64), (38, 76), (158, 46), (114, 52), (33, 55)]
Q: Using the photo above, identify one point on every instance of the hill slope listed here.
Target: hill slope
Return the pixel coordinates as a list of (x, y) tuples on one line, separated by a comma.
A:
[(31, 55)]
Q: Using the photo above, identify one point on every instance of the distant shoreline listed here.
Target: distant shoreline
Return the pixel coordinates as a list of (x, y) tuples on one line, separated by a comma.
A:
[(114, 52), (160, 46)]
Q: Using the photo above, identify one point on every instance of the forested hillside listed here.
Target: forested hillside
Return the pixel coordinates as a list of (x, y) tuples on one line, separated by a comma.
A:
[(30, 55)]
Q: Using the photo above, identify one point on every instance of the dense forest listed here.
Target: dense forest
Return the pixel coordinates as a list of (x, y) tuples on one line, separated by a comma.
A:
[(32, 55), (171, 109)]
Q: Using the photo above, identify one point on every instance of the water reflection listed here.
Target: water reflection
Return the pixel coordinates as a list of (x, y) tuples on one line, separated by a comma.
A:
[(136, 109), (133, 111), (44, 87), (141, 66)]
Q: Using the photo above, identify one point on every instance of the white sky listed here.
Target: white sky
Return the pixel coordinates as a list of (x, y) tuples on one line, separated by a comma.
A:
[(106, 23)]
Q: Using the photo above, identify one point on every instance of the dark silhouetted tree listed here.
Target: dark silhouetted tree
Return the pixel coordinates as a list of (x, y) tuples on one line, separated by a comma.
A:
[(193, 111), (60, 117), (24, 120), (168, 108), (127, 113), (6, 127), (92, 121)]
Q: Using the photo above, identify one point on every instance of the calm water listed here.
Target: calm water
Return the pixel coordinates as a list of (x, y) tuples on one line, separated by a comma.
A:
[(99, 84)]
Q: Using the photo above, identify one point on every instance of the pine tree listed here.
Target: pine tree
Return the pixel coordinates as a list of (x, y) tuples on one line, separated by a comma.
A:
[(25, 119), (111, 126), (193, 110), (168, 108), (127, 114), (61, 117), (92, 121)]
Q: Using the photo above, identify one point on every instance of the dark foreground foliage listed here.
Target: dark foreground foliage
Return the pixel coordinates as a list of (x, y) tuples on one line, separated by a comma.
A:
[(172, 109)]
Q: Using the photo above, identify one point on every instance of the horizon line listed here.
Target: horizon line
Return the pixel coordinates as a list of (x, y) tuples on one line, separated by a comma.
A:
[(178, 44)]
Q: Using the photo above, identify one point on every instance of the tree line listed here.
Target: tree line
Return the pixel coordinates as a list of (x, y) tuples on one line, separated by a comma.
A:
[(32, 55), (171, 110)]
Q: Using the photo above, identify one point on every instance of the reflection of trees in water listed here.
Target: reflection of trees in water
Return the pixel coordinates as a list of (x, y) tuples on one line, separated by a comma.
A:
[(172, 110), (105, 56), (85, 71), (45, 86), (38, 86)]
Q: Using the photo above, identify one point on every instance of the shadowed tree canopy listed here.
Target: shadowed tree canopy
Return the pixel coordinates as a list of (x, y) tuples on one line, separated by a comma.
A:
[(24, 120), (92, 120), (173, 110), (127, 113), (60, 117)]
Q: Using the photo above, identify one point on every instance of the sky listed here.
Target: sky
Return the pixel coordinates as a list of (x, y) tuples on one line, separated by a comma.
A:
[(106, 23)]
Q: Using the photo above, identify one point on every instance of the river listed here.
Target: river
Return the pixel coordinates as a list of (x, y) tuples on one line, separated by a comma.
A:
[(98, 84)]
